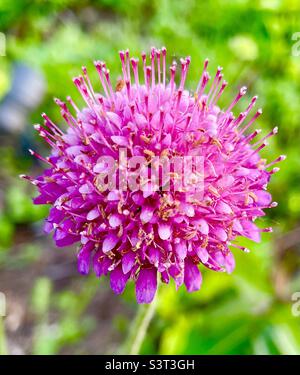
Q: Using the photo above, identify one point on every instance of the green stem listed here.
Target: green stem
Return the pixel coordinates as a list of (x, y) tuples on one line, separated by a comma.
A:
[(3, 349), (142, 330), (139, 327)]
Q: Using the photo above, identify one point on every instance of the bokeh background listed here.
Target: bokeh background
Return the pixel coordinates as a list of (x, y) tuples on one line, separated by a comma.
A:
[(53, 310)]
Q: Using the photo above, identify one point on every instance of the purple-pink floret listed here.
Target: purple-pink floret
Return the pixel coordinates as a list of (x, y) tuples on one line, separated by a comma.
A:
[(143, 235)]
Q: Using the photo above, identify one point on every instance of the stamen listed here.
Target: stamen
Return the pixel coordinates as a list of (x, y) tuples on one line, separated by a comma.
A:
[(273, 132), (201, 78), (205, 79), (158, 53), (99, 66), (148, 77), (40, 129), (152, 58), (164, 53), (266, 230), (29, 178), (50, 124), (79, 83), (239, 247), (144, 59), (70, 100), (87, 78), (38, 156), (128, 65), (257, 150), (279, 159), (107, 76), (264, 144), (250, 137), (122, 57), (184, 69), (134, 64), (240, 94), (215, 81), (274, 170), (257, 114), (172, 76), (223, 86), (212, 96), (251, 105)]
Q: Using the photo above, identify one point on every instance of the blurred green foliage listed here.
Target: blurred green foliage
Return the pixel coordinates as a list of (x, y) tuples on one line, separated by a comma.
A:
[(242, 313)]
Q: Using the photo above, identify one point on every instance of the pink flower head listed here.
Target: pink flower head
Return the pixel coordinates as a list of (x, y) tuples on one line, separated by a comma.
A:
[(138, 233)]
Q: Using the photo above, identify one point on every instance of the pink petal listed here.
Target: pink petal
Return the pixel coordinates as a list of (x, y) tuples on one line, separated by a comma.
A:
[(85, 189), (154, 256), (93, 214), (118, 280), (115, 220), (146, 214), (83, 259), (119, 140), (263, 198), (100, 264), (223, 208), (164, 231), (140, 120), (220, 234), (128, 261), (165, 278), (203, 226), (177, 273), (188, 209), (138, 198), (113, 196), (237, 226), (225, 181), (219, 257), (181, 249), (202, 254), (250, 230), (102, 167), (109, 243), (192, 276), (147, 190), (229, 262), (146, 285), (114, 118)]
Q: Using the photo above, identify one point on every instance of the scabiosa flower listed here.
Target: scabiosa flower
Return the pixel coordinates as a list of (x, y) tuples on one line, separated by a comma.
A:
[(146, 234)]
